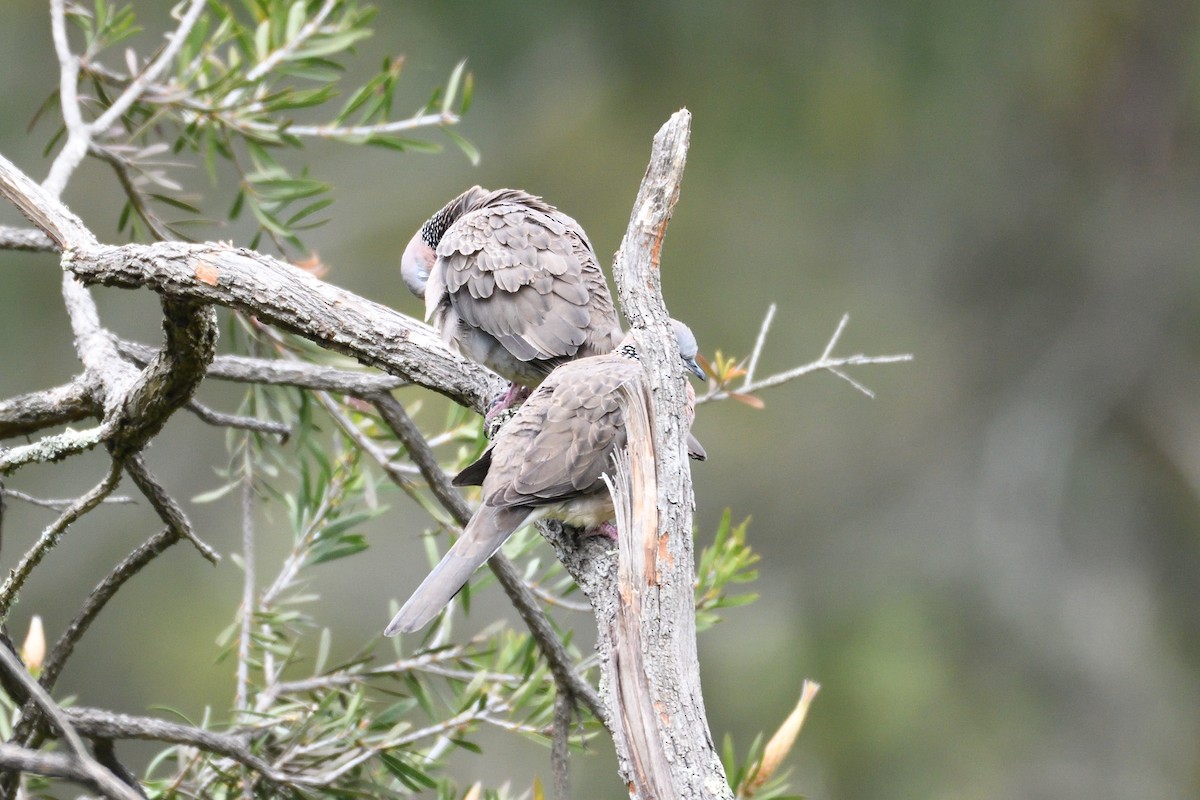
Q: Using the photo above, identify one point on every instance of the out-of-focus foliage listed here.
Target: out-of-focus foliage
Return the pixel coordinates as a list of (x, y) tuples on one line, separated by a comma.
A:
[(728, 560), (993, 568), (244, 77)]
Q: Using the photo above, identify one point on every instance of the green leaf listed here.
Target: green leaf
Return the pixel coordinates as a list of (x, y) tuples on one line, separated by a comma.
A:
[(299, 98), (262, 40), (468, 149), (267, 220), (328, 45), (297, 14), (236, 209), (323, 646), (368, 90), (452, 86), (410, 776), (309, 210), (468, 93), (335, 529), (400, 143), (346, 546), (176, 203), (216, 494)]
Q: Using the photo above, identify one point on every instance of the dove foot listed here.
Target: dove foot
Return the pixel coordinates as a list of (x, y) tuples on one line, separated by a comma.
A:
[(515, 395), (607, 529)]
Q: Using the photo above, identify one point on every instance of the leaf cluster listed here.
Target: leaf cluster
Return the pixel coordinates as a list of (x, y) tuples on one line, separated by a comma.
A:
[(727, 562), (251, 80)]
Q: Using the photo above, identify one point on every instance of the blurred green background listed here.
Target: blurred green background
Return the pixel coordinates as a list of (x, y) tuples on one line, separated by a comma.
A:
[(993, 568)]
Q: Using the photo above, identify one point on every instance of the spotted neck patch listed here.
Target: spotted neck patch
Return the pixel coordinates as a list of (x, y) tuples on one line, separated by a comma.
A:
[(433, 230), (629, 351)]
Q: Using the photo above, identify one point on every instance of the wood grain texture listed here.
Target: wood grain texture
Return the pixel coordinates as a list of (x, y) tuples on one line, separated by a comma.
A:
[(289, 298)]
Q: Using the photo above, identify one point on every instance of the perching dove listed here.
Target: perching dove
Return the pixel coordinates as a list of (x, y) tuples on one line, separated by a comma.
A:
[(512, 283), (547, 462)]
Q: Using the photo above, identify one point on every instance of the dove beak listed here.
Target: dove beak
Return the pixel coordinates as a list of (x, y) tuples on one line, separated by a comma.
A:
[(694, 368)]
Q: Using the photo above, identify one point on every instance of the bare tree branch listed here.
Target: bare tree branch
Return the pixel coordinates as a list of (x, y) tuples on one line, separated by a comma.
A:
[(97, 775), (27, 728), (104, 591), (165, 506), (51, 535), (56, 447), (827, 361), (277, 372), (58, 504), (43, 208), (170, 380), (30, 239), (222, 420), (53, 765), (291, 299), (630, 660), (665, 747), (96, 722), (32, 412)]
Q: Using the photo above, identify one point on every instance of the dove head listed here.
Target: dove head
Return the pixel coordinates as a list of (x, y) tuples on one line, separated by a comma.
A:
[(416, 263), (688, 349), (684, 337), (418, 258)]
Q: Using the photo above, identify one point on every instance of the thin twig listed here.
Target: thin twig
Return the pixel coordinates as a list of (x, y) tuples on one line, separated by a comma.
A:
[(560, 753), (28, 239), (826, 362), (26, 729), (165, 506), (552, 599), (241, 700), (759, 342), (398, 473), (78, 135), (97, 722), (135, 196), (152, 70), (276, 372), (60, 405), (293, 42), (51, 535), (60, 504), (56, 447), (351, 131), (129, 566), (222, 420)]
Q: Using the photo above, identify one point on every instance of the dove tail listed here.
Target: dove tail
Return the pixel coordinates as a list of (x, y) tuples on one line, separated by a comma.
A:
[(484, 534)]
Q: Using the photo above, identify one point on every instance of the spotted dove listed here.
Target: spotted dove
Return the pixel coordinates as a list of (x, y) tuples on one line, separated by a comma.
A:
[(512, 283), (547, 462)]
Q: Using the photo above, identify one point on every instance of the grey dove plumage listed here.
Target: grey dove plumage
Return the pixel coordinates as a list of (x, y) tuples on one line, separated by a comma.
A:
[(547, 462), (512, 283)]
